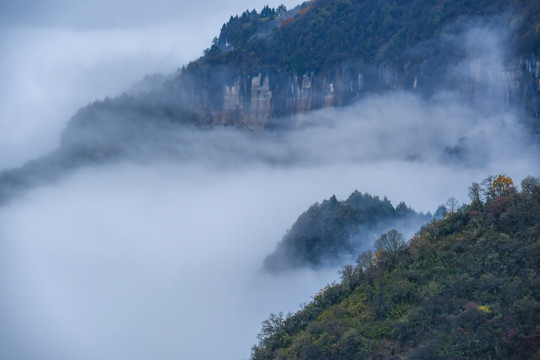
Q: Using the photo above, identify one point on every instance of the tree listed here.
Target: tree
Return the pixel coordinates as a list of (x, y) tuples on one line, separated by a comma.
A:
[(271, 326), (297, 62), (530, 185), (494, 187), (440, 212), (214, 49), (365, 260), (452, 205), (402, 209), (475, 196), (392, 242), (503, 186), (349, 277), (281, 10), (268, 12)]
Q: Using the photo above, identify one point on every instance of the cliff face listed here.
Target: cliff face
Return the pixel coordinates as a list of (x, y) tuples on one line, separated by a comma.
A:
[(522, 81), (220, 96)]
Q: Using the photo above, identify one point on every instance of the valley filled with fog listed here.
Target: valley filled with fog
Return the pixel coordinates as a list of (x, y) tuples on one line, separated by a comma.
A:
[(158, 254)]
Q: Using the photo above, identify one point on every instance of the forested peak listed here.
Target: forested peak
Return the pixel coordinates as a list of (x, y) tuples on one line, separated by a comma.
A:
[(323, 33), (464, 287), (240, 29)]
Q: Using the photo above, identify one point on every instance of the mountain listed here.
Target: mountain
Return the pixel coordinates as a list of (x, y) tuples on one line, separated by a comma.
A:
[(265, 68), (269, 65), (333, 230), (464, 287)]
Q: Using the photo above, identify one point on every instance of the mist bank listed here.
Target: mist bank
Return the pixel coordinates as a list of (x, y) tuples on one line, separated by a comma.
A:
[(133, 260), (144, 261), (146, 236), (398, 126)]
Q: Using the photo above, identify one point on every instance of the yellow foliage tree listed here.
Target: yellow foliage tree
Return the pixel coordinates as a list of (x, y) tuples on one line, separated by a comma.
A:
[(502, 186)]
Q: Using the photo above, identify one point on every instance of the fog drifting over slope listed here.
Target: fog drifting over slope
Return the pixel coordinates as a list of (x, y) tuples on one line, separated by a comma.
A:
[(161, 258)]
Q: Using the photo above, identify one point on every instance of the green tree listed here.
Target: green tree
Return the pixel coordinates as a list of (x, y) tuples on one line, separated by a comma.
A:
[(214, 49), (475, 196), (281, 10), (268, 12), (349, 277)]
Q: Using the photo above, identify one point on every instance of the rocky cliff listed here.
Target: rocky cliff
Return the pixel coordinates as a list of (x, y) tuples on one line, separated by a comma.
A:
[(221, 96)]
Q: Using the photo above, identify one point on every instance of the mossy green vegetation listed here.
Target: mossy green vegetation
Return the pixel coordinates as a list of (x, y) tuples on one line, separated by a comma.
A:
[(464, 287)]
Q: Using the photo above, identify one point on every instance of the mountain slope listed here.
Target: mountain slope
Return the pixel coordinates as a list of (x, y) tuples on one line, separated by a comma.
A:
[(464, 287)]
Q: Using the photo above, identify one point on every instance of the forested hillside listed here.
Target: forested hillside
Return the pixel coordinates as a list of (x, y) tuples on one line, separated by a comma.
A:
[(464, 287), (322, 33)]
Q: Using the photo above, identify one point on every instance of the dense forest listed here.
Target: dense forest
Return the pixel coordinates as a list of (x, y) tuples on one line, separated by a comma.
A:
[(329, 231), (322, 33), (464, 287)]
